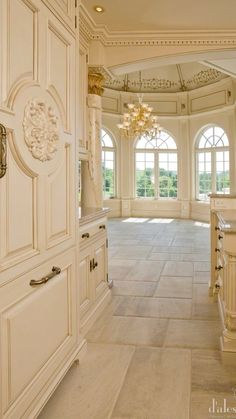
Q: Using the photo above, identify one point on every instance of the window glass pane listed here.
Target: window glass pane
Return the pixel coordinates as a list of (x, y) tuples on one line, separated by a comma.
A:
[(145, 176), (222, 172), (106, 139), (167, 187), (204, 176), (108, 174)]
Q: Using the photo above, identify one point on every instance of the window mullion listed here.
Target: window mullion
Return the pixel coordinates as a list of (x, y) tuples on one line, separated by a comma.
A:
[(156, 175), (213, 170)]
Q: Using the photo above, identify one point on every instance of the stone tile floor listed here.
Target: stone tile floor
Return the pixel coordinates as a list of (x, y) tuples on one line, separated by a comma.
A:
[(154, 352)]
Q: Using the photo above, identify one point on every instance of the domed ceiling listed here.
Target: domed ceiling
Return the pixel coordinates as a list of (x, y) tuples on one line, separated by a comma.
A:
[(168, 79)]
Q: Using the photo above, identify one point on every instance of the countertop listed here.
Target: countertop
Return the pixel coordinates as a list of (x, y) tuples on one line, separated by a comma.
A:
[(90, 214), (227, 219)]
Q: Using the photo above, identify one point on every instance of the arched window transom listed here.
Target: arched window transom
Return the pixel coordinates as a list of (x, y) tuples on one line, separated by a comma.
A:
[(212, 163), (156, 167)]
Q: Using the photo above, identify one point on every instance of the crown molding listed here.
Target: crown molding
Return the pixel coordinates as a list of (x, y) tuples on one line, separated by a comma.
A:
[(207, 38)]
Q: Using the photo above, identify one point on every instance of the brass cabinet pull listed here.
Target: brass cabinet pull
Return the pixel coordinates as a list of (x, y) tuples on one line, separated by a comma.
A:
[(217, 228), (218, 268), (55, 271), (3, 150), (93, 264), (102, 227), (85, 235), (220, 237), (217, 250)]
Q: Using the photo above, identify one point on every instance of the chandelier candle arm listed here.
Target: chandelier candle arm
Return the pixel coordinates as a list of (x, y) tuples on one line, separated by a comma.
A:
[(139, 121)]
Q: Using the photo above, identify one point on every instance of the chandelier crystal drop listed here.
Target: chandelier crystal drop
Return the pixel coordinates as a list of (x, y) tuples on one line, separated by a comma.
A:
[(139, 121)]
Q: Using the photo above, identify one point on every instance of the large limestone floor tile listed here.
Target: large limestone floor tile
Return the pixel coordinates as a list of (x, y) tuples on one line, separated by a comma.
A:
[(145, 270), (129, 331), (132, 252), (196, 257), (171, 249), (134, 288), (203, 306), (210, 374), (89, 391), (157, 386), (200, 334), (119, 268), (166, 256), (174, 287), (178, 269), (202, 266), (154, 307), (212, 382), (201, 277)]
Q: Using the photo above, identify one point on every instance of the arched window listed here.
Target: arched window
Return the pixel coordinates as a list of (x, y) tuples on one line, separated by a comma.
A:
[(108, 165), (156, 167), (212, 163)]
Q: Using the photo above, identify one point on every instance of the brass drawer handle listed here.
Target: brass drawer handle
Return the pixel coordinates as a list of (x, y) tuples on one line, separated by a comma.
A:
[(220, 237), (85, 235), (217, 228), (55, 271), (218, 268), (3, 150), (102, 227), (217, 250)]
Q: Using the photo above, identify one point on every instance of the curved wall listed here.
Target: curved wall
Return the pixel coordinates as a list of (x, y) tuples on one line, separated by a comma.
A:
[(183, 115)]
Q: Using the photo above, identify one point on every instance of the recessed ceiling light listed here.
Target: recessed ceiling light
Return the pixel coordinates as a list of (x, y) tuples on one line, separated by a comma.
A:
[(99, 9)]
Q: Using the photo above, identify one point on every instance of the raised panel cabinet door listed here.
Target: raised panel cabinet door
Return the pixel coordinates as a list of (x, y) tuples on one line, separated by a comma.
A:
[(37, 108), (38, 333), (85, 282), (100, 267)]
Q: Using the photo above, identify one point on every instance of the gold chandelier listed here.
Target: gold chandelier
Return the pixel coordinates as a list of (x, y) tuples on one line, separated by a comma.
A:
[(139, 121)]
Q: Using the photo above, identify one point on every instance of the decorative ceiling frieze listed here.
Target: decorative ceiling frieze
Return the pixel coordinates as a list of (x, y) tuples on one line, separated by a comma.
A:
[(210, 38), (182, 79)]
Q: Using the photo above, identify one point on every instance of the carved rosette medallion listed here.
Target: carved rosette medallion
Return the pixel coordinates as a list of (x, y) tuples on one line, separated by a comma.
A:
[(41, 132)]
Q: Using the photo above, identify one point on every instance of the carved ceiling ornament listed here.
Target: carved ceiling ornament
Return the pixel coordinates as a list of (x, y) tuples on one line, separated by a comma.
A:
[(41, 131)]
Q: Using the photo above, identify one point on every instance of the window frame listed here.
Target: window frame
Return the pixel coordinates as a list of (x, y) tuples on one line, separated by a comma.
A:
[(112, 149), (156, 151), (213, 151)]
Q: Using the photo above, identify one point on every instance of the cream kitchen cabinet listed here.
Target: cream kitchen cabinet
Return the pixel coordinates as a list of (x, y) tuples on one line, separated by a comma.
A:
[(94, 286), (39, 334), (223, 267)]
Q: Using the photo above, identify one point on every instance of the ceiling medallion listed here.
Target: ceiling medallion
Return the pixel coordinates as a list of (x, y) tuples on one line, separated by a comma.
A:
[(41, 132)]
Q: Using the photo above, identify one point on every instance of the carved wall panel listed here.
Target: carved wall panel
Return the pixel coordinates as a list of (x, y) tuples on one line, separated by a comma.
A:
[(20, 187), (21, 38), (59, 81), (41, 129), (65, 10), (58, 203)]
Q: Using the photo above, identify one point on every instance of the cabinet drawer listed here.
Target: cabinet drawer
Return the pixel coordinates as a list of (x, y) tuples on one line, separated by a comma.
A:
[(91, 230), (38, 331)]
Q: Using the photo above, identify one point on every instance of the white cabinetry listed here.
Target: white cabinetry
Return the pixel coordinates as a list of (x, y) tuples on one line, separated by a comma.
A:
[(39, 337), (94, 292), (223, 266)]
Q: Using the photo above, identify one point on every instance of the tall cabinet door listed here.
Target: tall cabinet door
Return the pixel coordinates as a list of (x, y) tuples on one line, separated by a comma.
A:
[(37, 107), (38, 335), (100, 271)]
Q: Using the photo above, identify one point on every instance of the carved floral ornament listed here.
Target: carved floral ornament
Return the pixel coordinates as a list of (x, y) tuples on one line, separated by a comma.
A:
[(41, 132)]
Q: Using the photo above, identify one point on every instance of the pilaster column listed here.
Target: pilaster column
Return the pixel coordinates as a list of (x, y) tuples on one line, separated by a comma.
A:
[(92, 194)]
